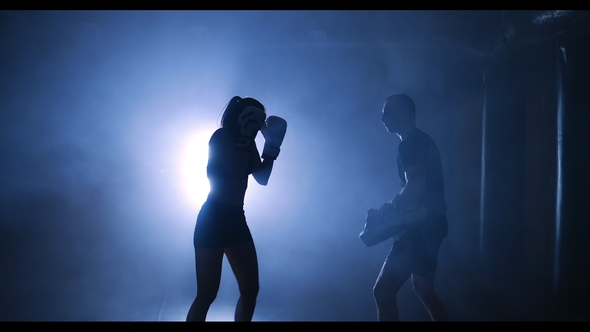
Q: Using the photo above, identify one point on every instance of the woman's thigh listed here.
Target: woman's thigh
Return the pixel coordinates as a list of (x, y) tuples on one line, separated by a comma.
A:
[(208, 263), (244, 263)]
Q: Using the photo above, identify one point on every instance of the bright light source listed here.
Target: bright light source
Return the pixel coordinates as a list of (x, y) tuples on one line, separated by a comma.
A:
[(194, 167)]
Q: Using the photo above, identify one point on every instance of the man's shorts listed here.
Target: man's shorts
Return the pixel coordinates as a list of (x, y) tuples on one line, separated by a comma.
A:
[(220, 226), (416, 250)]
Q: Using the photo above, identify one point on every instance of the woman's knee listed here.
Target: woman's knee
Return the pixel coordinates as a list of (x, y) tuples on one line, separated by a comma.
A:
[(250, 290), (206, 296)]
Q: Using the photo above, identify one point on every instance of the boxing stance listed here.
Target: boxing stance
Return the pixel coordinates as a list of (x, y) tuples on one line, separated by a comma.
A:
[(414, 251), (221, 227)]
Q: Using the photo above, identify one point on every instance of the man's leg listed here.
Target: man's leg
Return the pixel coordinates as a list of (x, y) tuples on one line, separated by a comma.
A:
[(424, 288), (388, 283)]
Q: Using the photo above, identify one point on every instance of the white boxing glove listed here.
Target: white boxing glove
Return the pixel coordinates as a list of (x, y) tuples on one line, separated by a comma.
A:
[(274, 130), (251, 120)]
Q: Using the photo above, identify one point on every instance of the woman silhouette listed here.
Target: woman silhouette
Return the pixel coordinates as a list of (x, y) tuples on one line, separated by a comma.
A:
[(221, 226)]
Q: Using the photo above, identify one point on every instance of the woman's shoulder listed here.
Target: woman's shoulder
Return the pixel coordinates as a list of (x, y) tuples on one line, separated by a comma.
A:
[(221, 134)]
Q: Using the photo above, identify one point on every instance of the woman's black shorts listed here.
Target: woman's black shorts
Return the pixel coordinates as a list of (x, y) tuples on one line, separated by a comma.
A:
[(220, 226)]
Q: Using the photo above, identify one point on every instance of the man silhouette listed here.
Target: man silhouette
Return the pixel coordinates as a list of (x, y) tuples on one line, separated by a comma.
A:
[(414, 252)]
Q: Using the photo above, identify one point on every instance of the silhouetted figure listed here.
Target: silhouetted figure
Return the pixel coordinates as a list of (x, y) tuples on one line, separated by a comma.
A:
[(414, 252), (221, 224)]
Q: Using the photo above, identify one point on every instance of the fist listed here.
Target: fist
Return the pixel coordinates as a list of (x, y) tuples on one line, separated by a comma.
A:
[(251, 120), (274, 131)]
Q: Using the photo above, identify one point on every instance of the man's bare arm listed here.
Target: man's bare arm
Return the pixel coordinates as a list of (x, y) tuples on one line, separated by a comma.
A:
[(414, 191)]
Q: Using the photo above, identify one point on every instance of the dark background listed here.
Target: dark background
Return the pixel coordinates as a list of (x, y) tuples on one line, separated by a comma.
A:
[(98, 108)]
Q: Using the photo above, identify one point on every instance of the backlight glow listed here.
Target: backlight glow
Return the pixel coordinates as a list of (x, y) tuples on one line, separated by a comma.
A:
[(194, 167)]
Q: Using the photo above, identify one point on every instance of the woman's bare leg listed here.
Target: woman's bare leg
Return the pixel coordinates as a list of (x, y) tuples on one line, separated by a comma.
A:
[(208, 264), (244, 263)]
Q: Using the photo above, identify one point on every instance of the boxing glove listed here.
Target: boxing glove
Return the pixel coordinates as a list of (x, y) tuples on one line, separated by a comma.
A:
[(273, 130), (251, 120)]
